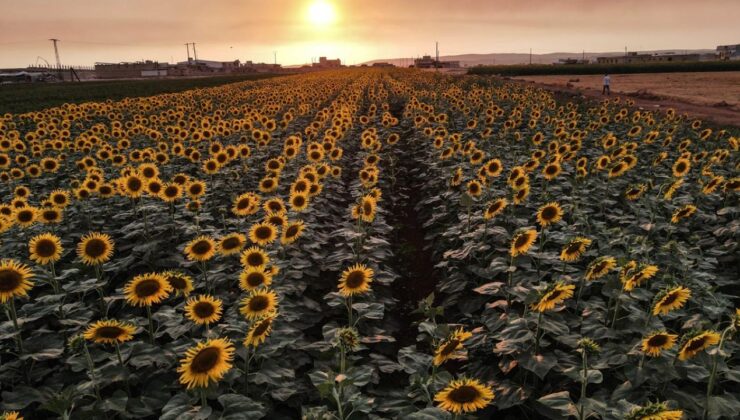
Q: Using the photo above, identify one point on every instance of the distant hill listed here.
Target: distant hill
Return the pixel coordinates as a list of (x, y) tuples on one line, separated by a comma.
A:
[(470, 60)]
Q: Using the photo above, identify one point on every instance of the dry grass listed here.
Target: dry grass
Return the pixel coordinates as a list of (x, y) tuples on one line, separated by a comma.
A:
[(698, 88)]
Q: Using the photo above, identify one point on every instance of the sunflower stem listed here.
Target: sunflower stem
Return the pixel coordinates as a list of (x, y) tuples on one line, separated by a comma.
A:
[(91, 365), (509, 282), (713, 374), (14, 318), (537, 334), (247, 359), (118, 354), (581, 286), (584, 384), (348, 303), (101, 295), (203, 399), (151, 324), (616, 307), (204, 269)]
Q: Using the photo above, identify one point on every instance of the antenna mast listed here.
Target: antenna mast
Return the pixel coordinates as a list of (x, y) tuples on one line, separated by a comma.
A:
[(56, 51)]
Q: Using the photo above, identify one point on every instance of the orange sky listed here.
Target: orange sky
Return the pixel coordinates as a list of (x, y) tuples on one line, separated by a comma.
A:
[(127, 30)]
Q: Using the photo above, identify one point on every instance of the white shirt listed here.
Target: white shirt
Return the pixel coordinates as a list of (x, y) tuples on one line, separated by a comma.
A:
[(607, 80)]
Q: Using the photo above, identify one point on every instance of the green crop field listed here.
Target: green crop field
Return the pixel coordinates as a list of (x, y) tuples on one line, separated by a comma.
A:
[(23, 97)]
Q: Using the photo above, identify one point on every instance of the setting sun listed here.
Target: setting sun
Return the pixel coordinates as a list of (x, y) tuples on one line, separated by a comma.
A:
[(321, 13)]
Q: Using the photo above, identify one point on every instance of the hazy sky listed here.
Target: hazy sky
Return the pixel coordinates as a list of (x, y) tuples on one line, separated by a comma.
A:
[(126, 30)]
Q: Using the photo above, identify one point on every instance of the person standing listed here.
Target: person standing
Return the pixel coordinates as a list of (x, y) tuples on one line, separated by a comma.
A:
[(607, 84)]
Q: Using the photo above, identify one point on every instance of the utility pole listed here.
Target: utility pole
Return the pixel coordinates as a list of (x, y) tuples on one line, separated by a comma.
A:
[(56, 51), (530, 56), (188, 48), (436, 63), (274, 53), (195, 54)]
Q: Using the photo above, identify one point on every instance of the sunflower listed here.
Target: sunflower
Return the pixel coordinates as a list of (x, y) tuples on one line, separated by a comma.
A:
[(200, 249), (474, 188), (171, 193), (681, 167), (553, 296), (697, 342), (259, 303), (203, 310), (670, 300), (246, 204), (50, 215), (292, 232), (574, 249), (549, 214), (658, 341), (26, 216), (522, 241), (45, 248), (110, 331), (181, 283), (259, 331), (60, 198), (147, 289), (15, 280), (207, 361), (254, 257), (551, 171), (600, 267), (448, 349), (254, 277), (521, 195), (355, 280), (682, 213), (636, 279), (10, 415), (654, 411), (132, 185), (634, 192), (95, 248), (464, 395), (298, 201), (231, 244), (495, 208), (195, 188), (262, 233), (618, 169)]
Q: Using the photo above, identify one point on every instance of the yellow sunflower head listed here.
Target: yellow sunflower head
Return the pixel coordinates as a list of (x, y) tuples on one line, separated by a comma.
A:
[(200, 249), (573, 250), (292, 231), (204, 309), (45, 248), (464, 396), (549, 214), (254, 257), (206, 362), (231, 244), (15, 280), (110, 331), (495, 208), (600, 267), (262, 233), (259, 303), (95, 248), (654, 411), (656, 342), (181, 283), (671, 299), (147, 289), (255, 277), (522, 241), (553, 296), (694, 343), (355, 280), (259, 331), (448, 349)]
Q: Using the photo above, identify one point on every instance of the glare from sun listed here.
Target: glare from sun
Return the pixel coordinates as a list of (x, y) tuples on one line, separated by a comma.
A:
[(321, 13)]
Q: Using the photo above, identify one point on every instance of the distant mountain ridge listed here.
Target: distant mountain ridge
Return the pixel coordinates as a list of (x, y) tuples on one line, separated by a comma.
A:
[(470, 60)]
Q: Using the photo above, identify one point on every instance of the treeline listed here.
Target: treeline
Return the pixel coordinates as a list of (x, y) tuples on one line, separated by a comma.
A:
[(547, 69)]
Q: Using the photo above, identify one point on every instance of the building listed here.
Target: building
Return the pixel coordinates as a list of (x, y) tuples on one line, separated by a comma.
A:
[(637, 58), (427, 62), (324, 63), (250, 67), (211, 66), (382, 65), (137, 69), (728, 52)]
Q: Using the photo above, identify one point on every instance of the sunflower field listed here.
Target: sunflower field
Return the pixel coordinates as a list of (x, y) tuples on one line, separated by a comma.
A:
[(368, 244)]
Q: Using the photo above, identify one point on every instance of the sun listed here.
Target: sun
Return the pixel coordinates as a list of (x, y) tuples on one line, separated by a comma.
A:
[(321, 13)]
